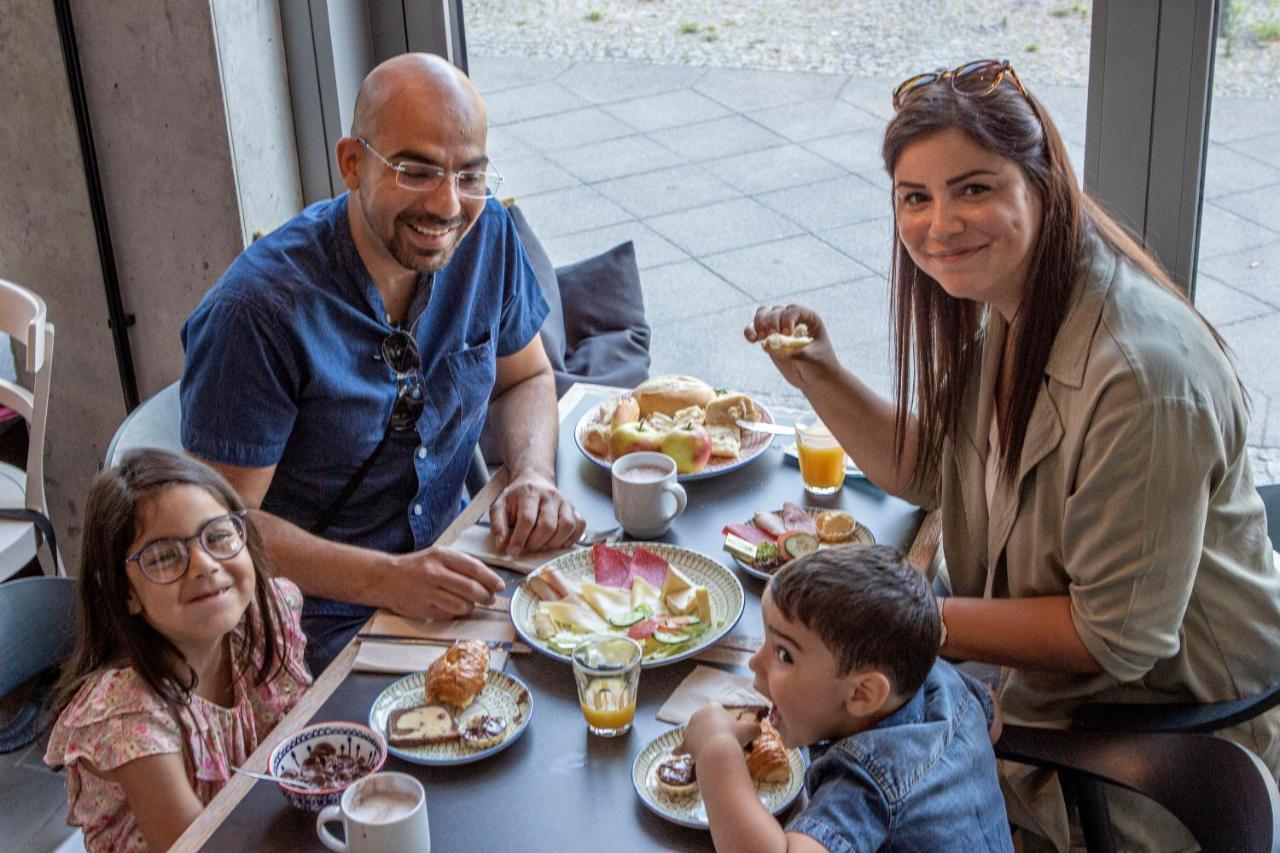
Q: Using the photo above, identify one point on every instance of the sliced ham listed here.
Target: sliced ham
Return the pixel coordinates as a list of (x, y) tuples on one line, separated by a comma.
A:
[(643, 629), (612, 567), (749, 532), (770, 523), (795, 518), (649, 566)]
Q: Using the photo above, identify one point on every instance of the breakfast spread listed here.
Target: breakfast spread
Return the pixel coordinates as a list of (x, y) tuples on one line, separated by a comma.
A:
[(458, 675), (681, 416), (326, 768), (766, 757), (780, 344), (636, 593), (773, 539)]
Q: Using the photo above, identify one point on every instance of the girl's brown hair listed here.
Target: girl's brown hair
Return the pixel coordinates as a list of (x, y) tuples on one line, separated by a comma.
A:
[(937, 338), (109, 635)]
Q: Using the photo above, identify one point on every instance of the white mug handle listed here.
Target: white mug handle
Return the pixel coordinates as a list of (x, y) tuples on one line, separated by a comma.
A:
[(677, 491), (328, 815)]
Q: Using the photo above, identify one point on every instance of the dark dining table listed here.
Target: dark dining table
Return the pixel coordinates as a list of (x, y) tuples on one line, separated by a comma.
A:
[(556, 788)]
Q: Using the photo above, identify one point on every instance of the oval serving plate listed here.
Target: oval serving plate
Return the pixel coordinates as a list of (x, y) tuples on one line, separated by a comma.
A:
[(688, 810), (724, 588), (753, 444), (503, 695), (861, 536)]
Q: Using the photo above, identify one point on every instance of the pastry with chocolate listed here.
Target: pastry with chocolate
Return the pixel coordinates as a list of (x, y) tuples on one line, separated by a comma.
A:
[(677, 776), (483, 731)]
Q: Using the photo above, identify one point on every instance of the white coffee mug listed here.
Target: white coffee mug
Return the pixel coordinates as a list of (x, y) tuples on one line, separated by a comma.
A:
[(382, 812), (646, 496)]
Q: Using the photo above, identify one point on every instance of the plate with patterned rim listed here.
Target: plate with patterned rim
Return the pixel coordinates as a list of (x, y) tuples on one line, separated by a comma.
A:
[(503, 695), (688, 810), (723, 587), (753, 444), (861, 536)]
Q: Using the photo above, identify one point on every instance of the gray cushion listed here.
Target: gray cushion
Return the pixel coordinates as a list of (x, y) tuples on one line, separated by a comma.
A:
[(553, 337), (607, 335)]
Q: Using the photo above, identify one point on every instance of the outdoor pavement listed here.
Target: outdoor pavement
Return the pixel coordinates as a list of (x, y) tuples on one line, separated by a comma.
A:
[(743, 187)]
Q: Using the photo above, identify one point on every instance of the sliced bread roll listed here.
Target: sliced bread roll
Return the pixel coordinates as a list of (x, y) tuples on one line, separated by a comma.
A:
[(670, 394)]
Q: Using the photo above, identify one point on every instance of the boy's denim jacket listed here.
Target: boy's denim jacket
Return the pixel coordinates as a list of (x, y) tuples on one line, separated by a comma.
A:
[(923, 779)]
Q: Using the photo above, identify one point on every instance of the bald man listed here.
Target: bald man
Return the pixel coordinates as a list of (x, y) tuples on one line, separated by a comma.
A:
[(339, 372)]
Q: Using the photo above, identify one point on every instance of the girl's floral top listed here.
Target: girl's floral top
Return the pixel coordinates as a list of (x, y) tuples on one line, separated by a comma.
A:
[(115, 718)]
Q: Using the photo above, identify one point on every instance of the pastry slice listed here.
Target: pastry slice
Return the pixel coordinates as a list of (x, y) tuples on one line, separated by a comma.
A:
[(767, 757), (421, 726), (458, 675)]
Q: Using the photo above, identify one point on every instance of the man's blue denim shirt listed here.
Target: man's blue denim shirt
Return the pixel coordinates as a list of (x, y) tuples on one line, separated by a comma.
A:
[(924, 779)]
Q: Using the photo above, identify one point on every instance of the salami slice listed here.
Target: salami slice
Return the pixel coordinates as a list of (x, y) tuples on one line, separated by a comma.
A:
[(795, 517), (612, 567), (749, 532), (649, 566)]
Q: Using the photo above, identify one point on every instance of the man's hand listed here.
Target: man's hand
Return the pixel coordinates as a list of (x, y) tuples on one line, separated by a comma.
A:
[(532, 515), (439, 583), (711, 723)]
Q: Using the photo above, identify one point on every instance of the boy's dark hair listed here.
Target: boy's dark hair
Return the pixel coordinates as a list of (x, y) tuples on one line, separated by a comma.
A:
[(870, 607), (109, 635)]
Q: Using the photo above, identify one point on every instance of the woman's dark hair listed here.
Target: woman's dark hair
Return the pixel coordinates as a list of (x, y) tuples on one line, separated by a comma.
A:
[(112, 637), (938, 337), (870, 607)]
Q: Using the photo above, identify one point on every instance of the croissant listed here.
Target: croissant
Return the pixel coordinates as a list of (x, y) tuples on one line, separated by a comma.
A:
[(767, 757), (458, 675)]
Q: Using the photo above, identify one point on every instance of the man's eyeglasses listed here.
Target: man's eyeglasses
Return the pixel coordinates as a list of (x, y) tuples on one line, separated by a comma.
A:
[(425, 177), (165, 561), (976, 79), (400, 352)]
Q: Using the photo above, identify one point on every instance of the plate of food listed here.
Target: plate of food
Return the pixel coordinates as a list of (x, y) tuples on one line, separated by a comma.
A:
[(680, 416), (770, 540), (456, 712), (667, 784), (673, 601)]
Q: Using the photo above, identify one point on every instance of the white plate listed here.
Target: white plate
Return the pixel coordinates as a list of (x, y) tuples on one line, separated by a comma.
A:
[(753, 444), (861, 536), (723, 586), (688, 810), (503, 696)]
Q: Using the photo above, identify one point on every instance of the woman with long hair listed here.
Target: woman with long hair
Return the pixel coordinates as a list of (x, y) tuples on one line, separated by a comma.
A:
[(1076, 422)]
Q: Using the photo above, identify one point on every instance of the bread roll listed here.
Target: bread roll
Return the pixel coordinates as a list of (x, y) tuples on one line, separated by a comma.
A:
[(595, 438), (780, 344), (728, 408), (670, 394)]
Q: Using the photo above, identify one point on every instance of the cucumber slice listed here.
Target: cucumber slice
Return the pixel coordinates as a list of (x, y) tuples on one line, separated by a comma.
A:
[(566, 641), (797, 543), (631, 617), (671, 638)]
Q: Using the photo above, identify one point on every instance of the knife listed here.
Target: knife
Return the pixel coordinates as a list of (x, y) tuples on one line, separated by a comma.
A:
[(761, 426), (411, 640)]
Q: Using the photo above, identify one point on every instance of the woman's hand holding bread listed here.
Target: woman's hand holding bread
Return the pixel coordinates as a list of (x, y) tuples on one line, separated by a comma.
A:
[(803, 365)]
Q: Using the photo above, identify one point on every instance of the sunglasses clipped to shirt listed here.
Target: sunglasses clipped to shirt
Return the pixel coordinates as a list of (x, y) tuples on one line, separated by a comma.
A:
[(975, 79)]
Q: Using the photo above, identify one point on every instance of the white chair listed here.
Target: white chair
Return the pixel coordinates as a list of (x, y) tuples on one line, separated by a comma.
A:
[(23, 317)]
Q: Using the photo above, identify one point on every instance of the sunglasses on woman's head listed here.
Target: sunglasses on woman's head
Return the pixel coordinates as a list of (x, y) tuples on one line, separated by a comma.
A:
[(400, 352), (975, 79)]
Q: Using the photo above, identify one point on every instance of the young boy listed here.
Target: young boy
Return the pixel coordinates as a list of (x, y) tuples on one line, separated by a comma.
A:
[(904, 759)]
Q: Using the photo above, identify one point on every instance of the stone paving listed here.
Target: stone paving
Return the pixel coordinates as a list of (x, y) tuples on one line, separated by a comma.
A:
[(742, 187)]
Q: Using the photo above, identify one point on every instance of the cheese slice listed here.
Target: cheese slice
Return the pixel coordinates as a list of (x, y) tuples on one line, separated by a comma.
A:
[(678, 593), (643, 592), (606, 600), (702, 600), (576, 613)]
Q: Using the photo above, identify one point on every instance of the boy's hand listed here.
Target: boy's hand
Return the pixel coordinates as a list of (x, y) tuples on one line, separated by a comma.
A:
[(711, 722)]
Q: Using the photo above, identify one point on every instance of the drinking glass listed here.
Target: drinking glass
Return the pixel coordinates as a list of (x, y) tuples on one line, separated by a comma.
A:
[(607, 671), (821, 456)]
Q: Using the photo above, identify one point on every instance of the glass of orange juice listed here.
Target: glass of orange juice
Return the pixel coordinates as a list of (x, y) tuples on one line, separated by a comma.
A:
[(821, 456), (607, 670)]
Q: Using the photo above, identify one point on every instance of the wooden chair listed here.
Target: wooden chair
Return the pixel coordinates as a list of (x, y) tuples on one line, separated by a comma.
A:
[(23, 510)]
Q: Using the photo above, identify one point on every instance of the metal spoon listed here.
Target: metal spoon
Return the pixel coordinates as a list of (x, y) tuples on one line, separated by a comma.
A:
[(267, 777)]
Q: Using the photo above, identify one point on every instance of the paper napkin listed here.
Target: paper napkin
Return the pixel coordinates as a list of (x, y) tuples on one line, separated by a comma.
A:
[(477, 542), (706, 685), (399, 658), (375, 656)]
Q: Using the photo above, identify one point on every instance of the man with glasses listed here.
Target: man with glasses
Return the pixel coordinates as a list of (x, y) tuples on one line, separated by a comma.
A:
[(340, 371)]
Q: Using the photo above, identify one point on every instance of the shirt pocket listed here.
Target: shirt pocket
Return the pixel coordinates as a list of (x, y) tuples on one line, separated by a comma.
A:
[(472, 373)]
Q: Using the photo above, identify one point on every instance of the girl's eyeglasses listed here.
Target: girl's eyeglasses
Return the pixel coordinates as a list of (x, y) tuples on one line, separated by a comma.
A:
[(165, 561), (400, 352), (976, 79)]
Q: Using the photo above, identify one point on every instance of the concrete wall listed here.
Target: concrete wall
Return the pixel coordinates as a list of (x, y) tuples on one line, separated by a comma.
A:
[(195, 143)]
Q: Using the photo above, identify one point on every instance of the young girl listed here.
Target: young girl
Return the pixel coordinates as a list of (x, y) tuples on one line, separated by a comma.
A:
[(188, 654)]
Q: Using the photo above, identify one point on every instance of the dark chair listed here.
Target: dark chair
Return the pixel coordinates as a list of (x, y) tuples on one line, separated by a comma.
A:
[(37, 632), (1228, 800), (157, 423)]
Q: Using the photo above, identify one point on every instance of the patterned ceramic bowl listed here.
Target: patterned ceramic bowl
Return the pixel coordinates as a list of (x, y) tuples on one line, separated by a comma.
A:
[(346, 738)]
